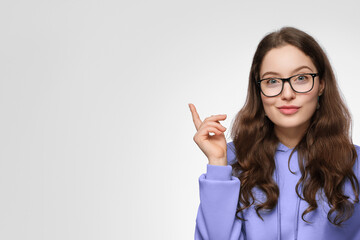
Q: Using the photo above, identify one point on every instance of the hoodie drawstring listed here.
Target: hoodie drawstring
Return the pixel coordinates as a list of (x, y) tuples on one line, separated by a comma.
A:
[(297, 217), (278, 211)]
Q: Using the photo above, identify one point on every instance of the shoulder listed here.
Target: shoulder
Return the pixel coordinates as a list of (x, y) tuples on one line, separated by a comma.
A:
[(357, 148), (356, 170), (231, 153), (357, 163)]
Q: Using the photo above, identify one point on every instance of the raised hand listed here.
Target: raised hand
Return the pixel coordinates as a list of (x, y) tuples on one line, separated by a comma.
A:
[(213, 146)]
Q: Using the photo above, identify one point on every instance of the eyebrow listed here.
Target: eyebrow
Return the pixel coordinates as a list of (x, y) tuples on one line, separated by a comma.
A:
[(297, 69)]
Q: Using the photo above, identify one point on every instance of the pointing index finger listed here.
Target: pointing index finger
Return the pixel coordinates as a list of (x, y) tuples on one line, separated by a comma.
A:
[(195, 116)]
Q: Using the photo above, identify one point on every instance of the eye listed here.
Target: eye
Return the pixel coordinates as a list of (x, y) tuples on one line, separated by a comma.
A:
[(302, 78), (272, 81)]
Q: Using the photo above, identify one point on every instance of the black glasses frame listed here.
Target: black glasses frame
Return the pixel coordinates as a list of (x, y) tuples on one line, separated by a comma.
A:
[(288, 80)]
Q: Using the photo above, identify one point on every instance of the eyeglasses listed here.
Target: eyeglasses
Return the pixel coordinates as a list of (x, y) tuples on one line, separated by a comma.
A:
[(300, 83)]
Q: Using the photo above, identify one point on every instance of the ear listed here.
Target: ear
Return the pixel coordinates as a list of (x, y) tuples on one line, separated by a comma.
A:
[(321, 87)]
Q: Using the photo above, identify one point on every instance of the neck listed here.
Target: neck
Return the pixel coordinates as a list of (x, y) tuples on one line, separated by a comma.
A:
[(290, 137)]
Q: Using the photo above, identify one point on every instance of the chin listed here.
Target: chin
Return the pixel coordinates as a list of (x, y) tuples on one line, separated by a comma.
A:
[(289, 123)]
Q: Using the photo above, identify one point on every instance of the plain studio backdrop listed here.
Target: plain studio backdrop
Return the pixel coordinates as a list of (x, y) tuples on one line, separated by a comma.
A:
[(95, 131)]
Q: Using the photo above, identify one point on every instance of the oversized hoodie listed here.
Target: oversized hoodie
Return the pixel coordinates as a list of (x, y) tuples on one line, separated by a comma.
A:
[(219, 191)]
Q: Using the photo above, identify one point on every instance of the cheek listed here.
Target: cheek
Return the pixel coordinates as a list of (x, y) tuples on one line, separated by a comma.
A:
[(310, 103), (267, 103), (309, 99)]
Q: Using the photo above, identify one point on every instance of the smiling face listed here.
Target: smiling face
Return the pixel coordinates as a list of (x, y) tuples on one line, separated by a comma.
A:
[(283, 62)]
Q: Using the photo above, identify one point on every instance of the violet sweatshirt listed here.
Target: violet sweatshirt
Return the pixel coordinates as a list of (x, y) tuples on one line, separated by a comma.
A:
[(219, 191)]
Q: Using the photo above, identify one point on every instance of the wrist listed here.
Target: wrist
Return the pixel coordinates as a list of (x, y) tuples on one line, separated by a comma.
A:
[(218, 162)]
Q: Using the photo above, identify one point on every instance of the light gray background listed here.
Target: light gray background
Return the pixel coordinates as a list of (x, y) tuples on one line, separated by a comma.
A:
[(95, 130)]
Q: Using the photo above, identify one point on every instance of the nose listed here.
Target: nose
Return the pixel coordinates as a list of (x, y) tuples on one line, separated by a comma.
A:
[(287, 92)]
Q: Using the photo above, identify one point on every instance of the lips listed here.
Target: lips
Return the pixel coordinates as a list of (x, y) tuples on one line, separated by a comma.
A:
[(288, 107), (288, 110)]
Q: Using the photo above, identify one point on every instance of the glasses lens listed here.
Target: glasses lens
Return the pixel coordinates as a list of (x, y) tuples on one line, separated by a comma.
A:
[(271, 86), (302, 83)]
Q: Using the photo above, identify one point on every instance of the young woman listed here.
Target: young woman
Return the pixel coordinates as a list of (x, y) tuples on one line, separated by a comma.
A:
[(291, 171)]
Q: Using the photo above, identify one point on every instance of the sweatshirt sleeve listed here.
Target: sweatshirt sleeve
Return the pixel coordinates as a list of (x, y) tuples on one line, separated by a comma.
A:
[(219, 192)]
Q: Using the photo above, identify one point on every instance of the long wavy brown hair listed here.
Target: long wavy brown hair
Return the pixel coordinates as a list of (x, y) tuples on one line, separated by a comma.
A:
[(326, 153)]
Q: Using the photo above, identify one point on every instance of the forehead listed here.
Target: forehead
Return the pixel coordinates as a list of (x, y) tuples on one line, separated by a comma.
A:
[(284, 60)]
